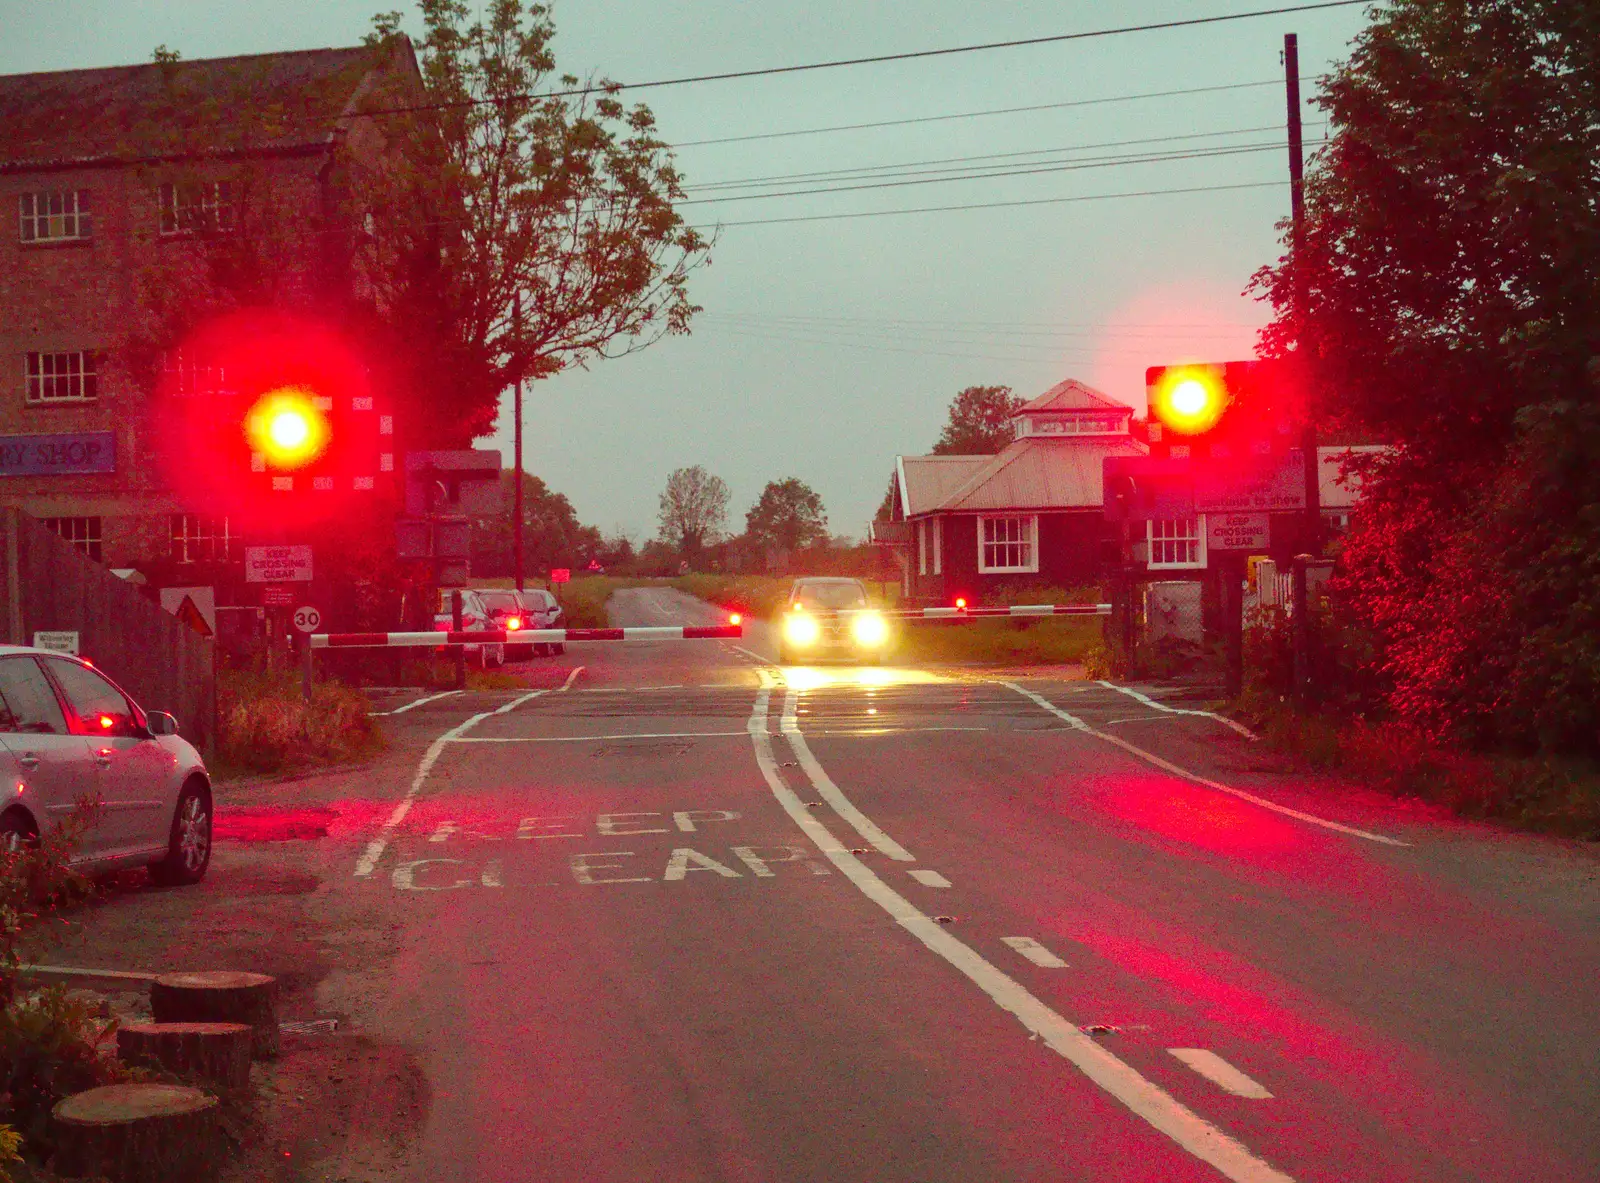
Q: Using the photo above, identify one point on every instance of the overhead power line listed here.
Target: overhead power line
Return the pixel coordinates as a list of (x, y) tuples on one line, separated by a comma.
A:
[(1120, 98)]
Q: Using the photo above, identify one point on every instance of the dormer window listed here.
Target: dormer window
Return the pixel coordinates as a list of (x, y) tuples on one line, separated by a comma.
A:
[(1069, 423)]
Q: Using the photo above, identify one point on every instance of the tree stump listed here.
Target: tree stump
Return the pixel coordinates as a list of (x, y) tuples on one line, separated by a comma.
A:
[(218, 1053), (139, 1133), (221, 996)]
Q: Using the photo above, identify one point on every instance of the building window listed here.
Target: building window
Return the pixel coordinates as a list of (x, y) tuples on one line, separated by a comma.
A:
[(197, 208), (62, 377), (54, 217), (1008, 544), (1178, 543), (184, 374), (197, 538), (83, 533)]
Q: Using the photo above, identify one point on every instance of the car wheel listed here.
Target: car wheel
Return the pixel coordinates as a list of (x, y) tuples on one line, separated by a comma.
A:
[(189, 844)]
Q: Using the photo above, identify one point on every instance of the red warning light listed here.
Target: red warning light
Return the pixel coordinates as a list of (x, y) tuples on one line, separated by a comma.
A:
[(734, 618), (961, 601), (513, 623)]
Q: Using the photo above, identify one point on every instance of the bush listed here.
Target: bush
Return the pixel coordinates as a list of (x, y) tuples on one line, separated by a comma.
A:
[(266, 725), (50, 1049)]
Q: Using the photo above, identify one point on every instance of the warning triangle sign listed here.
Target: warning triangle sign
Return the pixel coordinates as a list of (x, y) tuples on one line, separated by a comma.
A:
[(190, 615)]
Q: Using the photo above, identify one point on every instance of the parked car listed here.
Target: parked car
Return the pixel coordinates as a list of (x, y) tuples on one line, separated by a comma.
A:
[(475, 617), (829, 615), (68, 732), (530, 609)]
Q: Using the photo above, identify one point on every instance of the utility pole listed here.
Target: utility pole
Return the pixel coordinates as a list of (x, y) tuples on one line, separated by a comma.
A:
[(516, 450), (1311, 530)]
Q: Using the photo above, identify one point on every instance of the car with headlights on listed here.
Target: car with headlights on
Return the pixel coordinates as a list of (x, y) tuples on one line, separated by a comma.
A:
[(831, 617), (69, 734)]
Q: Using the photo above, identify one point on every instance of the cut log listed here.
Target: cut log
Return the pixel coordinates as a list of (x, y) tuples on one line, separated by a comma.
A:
[(139, 1133), (221, 996), (218, 1053)]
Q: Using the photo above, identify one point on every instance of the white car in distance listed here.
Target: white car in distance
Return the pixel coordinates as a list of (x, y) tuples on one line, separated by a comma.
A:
[(67, 732)]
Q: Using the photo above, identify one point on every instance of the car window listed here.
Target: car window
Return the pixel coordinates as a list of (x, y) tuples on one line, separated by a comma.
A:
[(500, 603), (30, 700), (830, 595), (100, 706)]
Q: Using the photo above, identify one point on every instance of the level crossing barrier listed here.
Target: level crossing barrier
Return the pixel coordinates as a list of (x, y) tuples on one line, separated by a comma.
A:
[(981, 611), (540, 636)]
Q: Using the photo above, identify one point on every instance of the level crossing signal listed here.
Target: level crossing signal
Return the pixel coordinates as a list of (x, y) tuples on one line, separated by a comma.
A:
[(1224, 410)]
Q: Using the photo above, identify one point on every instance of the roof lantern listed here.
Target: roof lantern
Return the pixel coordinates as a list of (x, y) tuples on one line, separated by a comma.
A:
[(1071, 409)]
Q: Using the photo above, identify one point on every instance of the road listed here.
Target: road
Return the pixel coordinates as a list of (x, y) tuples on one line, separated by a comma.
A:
[(680, 914)]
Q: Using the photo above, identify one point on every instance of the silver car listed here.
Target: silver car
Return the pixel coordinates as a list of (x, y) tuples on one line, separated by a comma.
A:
[(69, 732)]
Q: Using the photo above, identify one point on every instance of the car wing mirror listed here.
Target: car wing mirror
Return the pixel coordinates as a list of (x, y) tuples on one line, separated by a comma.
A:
[(160, 723)]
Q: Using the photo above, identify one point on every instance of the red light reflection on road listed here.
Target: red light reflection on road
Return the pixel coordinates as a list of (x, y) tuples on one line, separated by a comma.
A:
[(1176, 810)]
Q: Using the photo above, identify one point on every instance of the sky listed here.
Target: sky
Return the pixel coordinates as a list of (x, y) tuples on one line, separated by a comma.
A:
[(829, 346)]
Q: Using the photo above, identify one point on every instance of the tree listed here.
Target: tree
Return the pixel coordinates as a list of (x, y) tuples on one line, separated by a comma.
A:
[(788, 515), (979, 423), (694, 508), (1452, 305), (552, 536)]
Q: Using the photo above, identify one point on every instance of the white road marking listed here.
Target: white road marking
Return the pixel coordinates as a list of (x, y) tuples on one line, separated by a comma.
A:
[(758, 862), (607, 823), (442, 834), (368, 861), (404, 877), (630, 689), (411, 706), (573, 676), (1220, 1073), (1034, 952), (679, 865), (582, 868), (1142, 1097), (1167, 766), (685, 819), (755, 657), (1161, 706), (860, 822), (594, 738), (528, 825), (929, 878)]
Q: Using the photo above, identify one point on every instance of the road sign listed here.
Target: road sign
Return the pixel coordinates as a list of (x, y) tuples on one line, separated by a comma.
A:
[(57, 642), (277, 596), (1238, 531), (307, 619), (195, 606), (561, 575), (1147, 488), (277, 564), (1253, 484)]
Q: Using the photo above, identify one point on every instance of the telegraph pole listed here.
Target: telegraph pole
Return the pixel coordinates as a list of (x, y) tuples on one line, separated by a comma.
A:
[(516, 451), (1311, 530)]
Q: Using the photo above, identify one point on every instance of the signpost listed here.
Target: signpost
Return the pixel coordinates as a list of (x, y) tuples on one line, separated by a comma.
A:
[(1248, 532), (276, 596), (57, 642), (277, 564), (195, 606), (561, 575), (306, 620)]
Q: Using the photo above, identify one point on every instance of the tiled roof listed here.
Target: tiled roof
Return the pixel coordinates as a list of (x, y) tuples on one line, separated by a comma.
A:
[(1073, 395), (1036, 473), (925, 481), (271, 101)]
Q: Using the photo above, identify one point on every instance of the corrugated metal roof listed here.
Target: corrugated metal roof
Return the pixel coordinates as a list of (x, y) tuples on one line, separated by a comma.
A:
[(1339, 491), (1036, 473), (928, 480), (269, 101), (1072, 395)]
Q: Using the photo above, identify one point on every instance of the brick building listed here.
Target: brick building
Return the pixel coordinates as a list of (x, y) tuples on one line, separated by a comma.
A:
[(113, 205)]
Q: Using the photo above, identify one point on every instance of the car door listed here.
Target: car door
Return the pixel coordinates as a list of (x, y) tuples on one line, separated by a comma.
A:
[(55, 766), (135, 771)]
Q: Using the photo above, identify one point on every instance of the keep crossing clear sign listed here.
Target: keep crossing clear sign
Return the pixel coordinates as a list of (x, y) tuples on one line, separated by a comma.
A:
[(277, 564)]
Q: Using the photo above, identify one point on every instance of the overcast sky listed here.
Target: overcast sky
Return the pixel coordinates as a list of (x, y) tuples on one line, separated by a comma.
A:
[(829, 346)]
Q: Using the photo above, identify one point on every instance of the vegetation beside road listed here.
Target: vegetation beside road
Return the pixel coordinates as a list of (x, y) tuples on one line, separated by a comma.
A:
[(267, 726)]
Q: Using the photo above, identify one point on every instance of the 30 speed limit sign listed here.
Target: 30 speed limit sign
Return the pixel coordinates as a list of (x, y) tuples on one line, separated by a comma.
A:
[(307, 619)]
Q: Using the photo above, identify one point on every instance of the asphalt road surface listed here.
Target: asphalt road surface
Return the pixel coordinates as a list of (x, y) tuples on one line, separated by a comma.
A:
[(687, 915)]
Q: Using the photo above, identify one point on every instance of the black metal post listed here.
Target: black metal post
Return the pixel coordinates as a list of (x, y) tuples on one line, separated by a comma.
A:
[(1311, 528), (516, 464), (1230, 572), (459, 651)]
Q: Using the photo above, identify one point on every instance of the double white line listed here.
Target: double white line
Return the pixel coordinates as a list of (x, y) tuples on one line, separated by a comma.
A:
[(1145, 1099)]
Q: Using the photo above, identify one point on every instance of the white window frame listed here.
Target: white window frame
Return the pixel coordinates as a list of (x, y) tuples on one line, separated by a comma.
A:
[(1181, 545), (201, 538), (1029, 541), (82, 533), (211, 203), (938, 545), (47, 375), (922, 546), (55, 215)]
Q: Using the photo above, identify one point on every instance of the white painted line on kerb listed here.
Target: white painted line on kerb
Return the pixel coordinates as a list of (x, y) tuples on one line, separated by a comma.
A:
[(830, 792), (1161, 706), (1034, 952), (1143, 1098), (368, 861), (929, 878), (573, 676), (411, 706), (1220, 1073), (1167, 766)]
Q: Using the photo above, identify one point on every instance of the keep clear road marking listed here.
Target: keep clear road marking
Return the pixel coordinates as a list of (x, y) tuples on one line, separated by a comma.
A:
[(929, 878), (411, 706), (1167, 766), (1143, 1098), (1161, 706), (368, 861), (1034, 952), (1220, 1073), (829, 791)]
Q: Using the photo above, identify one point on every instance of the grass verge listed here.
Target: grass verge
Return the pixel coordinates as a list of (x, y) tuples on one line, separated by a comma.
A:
[(1055, 641), (267, 726), (1537, 793)]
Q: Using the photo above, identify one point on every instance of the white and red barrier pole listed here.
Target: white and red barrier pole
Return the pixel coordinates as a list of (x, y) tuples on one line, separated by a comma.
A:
[(541, 636)]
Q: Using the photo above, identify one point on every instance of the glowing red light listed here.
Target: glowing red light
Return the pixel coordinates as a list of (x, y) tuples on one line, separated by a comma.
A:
[(107, 722), (513, 623), (734, 618), (961, 601)]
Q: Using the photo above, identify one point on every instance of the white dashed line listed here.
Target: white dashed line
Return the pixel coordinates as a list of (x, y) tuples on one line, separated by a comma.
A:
[(929, 878), (1161, 706), (1220, 1073), (1167, 766), (573, 676), (411, 706), (1034, 952)]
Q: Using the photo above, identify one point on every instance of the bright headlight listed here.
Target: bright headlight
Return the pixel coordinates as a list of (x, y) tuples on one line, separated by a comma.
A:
[(800, 629), (869, 628)]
